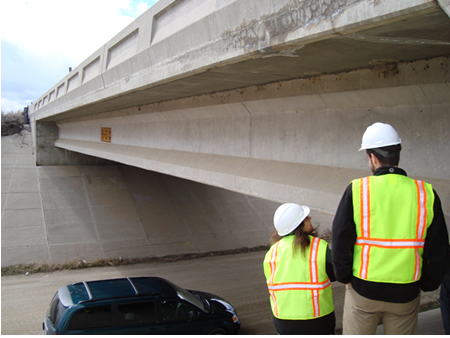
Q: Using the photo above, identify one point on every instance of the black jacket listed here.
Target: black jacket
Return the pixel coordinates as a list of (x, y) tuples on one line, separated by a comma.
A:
[(435, 254)]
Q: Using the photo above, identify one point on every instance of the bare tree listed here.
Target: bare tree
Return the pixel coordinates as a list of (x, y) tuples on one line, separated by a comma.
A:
[(12, 122)]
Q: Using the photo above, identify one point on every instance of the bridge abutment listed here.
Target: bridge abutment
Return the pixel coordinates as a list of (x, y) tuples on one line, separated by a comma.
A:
[(45, 134)]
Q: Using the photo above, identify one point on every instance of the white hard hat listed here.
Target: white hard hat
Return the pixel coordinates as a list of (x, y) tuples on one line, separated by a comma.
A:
[(379, 135), (288, 217)]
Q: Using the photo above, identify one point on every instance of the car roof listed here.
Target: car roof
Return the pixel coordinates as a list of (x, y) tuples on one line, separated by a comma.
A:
[(106, 289)]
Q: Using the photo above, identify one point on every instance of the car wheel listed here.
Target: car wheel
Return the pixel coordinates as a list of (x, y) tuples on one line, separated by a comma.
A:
[(218, 330)]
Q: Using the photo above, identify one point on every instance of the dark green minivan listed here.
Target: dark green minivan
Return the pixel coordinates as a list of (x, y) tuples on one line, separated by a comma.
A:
[(137, 305)]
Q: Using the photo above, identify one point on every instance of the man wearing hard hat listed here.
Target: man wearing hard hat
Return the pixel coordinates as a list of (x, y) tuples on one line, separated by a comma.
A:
[(389, 241)]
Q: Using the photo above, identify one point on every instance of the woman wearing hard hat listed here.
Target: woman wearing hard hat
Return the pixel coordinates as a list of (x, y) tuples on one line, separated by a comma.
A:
[(299, 272)]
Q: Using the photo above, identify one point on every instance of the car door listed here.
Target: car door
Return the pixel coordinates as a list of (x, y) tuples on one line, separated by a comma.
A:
[(180, 317), (135, 317)]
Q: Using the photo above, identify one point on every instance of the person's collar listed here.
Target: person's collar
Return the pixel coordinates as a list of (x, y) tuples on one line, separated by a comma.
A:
[(389, 170)]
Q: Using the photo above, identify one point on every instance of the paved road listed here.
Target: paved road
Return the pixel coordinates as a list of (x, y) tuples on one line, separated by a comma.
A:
[(238, 278)]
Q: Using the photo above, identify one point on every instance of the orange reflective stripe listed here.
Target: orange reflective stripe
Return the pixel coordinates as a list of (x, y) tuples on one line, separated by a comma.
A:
[(273, 263), (313, 260), (364, 261), (417, 266), (391, 243), (365, 207), (273, 266), (421, 208), (315, 298), (299, 286), (365, 224), (314, 287), (314, 274), (421, 221)]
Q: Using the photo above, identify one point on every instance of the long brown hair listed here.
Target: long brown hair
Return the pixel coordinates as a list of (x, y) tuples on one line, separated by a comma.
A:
[(301, 238)]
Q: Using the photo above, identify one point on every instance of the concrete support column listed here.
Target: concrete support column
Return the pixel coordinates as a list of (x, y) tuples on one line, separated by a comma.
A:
[(46, 133)]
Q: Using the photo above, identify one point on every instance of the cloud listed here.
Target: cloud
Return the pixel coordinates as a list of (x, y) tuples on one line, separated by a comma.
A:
[(41, 39)]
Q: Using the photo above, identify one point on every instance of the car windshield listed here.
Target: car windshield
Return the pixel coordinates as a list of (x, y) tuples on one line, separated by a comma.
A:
[(188, 296)]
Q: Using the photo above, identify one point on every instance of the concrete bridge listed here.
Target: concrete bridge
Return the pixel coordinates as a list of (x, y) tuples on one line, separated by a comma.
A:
[(267, 98)]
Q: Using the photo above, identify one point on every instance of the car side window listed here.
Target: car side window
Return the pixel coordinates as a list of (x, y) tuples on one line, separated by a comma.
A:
[(135, 314), (177, 311), (91, 318)]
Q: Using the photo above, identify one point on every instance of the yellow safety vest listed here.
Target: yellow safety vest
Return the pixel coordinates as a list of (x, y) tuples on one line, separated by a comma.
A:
[(392, 214), (298, 285)]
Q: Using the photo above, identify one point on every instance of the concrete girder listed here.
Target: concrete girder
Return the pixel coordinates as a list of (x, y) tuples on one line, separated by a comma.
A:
[(295, 140)]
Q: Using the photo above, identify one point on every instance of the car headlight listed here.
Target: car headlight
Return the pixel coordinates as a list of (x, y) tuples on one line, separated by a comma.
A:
[(229, 309)]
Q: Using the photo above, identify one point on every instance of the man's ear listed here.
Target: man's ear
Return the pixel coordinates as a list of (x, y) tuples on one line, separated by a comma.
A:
[(375, 160)]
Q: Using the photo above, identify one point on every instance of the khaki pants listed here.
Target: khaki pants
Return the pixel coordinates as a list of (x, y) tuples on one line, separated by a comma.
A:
[(362, 315)]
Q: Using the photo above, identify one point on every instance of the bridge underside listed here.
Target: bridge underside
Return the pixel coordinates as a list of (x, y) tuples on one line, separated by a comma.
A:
[(294, 140)]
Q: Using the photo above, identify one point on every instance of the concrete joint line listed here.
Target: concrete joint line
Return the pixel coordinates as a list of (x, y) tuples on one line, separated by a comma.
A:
[(44, 223), (237, 175), (94, 222)]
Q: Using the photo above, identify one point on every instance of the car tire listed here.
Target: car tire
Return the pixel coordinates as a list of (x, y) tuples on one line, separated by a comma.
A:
[(218, 330)]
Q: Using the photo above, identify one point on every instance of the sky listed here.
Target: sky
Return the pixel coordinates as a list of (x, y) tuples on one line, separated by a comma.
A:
[(41, 39)]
